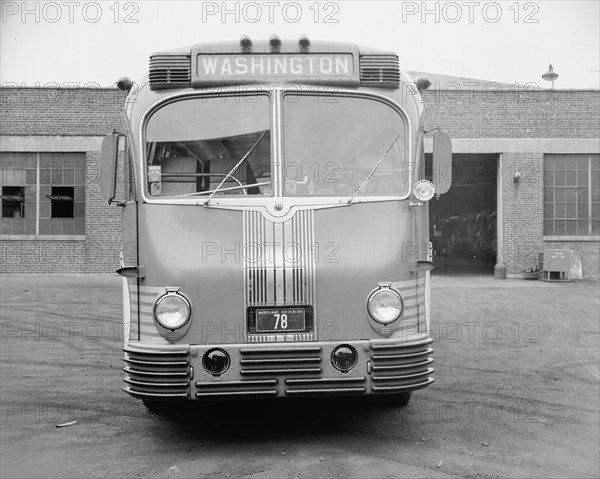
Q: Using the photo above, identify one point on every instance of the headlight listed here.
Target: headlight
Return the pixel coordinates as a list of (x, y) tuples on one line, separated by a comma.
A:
[(424, 190), (385, 305), (172, 310)]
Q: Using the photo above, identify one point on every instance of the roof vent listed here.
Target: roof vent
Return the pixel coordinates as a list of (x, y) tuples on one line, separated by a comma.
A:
[(170, 71), (380, 71)]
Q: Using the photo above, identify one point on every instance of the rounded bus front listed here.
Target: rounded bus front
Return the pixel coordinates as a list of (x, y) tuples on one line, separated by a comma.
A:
[(276, 233)]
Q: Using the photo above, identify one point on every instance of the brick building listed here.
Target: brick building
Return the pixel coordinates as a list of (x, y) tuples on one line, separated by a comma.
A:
[(530, 159), (53, 218), (526, 169)]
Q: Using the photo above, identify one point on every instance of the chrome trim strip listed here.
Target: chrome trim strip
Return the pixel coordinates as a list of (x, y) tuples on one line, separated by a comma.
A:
[(394, 367), (268, 392), (326, 380), (241, 382), (133, 382), (403, 377), (156, 363), (280, 360), (140, 372), (410, 387), (291, 392), (282, 350), (281, 371), (133, 393), (402, 356)]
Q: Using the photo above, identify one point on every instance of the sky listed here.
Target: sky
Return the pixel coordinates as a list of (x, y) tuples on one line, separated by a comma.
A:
[(81, 43)]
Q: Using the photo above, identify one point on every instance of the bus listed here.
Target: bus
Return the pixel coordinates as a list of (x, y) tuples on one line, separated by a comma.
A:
[(275, 223)]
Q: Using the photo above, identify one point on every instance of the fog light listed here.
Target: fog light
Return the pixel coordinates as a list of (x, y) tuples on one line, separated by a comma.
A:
[(344, 358), (216, 361)]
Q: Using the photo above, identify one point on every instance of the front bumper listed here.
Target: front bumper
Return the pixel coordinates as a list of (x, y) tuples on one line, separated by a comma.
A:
[(278, 370)]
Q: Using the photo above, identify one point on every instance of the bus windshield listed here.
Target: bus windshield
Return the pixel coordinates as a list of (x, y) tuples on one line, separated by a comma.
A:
[(206, 146), (333, 142), (338, 145)]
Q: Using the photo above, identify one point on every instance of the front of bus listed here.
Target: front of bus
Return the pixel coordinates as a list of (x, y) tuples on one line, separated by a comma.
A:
[(279, 224)]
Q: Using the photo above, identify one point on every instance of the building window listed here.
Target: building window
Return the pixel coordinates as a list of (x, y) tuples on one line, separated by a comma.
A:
[(572, 195), (62, 202), (13, 201), (43, 193)]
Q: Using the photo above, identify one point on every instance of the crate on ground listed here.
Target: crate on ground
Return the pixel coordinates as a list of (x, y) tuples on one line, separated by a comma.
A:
[(556, 265)]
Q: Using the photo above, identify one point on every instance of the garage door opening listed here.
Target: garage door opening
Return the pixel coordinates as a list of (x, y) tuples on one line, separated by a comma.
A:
[(463, 222)]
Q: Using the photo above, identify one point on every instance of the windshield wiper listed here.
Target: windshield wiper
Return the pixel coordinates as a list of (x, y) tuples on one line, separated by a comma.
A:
[(218, 188), (351, 200), (230, 188)]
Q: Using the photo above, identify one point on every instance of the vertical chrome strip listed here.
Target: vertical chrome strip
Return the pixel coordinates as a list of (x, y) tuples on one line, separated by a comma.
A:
[(277, 141), (279, 259)]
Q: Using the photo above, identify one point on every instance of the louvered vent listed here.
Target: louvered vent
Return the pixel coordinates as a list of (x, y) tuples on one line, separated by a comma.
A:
[(170, 71), (379, 71)]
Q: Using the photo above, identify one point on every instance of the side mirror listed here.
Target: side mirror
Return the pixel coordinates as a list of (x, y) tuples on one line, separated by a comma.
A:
[(108, 167), (442, 162)]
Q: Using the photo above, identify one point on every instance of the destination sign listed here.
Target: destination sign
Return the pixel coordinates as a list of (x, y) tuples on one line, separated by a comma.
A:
[(275, 65)]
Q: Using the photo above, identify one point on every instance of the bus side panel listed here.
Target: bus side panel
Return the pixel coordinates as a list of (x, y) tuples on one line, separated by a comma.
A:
[(361, 246), (129, 258)]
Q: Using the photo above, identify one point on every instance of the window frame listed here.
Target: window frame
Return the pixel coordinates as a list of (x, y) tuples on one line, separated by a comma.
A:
[(275, 93), (42, 184), (404, 147), (201, 199), (588, 202)]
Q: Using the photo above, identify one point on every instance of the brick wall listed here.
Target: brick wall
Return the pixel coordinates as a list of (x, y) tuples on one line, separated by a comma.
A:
[(66, 112), (512, 114), (522, 210), (60, 111)]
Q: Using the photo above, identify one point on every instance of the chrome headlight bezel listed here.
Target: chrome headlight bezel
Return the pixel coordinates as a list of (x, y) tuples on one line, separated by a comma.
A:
[(371, 307), (173, 295)]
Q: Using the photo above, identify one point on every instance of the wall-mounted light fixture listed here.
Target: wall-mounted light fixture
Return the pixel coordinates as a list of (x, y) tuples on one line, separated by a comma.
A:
[(517, 177)]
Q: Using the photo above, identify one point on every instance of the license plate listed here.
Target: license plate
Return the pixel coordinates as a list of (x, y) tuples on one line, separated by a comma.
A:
[(280, 320)]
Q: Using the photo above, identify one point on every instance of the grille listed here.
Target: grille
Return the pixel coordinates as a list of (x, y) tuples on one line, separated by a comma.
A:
[(157, 374), (170, 71), (281, 371), (301, 386), (397, 368), (244, 387), (273, 361), (380, 71), (282, 276)]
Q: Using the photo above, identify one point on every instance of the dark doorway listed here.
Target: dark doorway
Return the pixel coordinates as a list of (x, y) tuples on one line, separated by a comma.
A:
[(464, 220)]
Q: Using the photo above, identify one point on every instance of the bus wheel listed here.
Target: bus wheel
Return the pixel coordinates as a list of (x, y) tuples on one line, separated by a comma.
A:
[(395, 400)]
